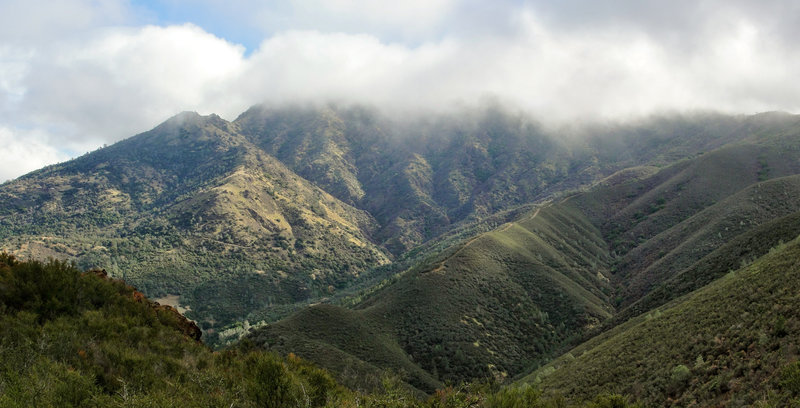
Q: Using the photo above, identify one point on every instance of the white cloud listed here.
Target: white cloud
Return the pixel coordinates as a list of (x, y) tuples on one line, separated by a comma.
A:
[(124, 80), (96, 84), (38, 21), (24, 152)]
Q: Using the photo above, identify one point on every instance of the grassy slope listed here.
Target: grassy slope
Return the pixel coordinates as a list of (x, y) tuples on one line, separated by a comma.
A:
[(683, 244), (660, 224), (739, 251), (494, 305), (727, 343)]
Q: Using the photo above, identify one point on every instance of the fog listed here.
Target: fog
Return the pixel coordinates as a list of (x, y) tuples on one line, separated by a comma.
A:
[(76, 74)]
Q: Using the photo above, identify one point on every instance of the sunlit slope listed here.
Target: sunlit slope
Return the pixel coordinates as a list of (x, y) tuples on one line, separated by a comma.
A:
[(494, 305), (193, 209), (732, 343)]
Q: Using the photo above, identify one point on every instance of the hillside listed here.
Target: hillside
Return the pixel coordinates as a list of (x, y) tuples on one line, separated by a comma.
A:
[(75, 339), (500, 303), (492, 306), (660, 224), (731, 343)]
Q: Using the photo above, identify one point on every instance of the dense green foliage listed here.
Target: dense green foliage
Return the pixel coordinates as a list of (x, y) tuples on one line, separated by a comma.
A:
[(77, 339), (73, 339)]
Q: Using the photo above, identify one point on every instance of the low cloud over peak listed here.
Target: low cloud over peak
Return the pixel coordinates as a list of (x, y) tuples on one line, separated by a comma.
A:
[(108, 72)]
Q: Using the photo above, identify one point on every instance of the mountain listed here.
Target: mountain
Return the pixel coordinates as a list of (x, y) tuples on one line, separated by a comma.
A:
[(445, 248), (419, 176), (193, 209), (499, 303)]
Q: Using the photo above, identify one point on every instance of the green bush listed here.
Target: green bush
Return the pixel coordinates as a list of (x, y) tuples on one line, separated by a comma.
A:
[(790, 378)]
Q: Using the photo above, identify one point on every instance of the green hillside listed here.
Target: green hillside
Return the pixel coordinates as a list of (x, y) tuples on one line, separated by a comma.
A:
[(731, 343), (73, 339), (79, 339), (661, 223), (502, 302), (490, 307)]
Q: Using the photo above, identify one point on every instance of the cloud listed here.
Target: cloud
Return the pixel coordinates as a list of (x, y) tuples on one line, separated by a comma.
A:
[(37, 21), (82, 83), (123, 79), (24, 152)]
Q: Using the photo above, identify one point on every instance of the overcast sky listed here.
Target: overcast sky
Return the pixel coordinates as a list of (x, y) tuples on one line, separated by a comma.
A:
[(77, 74)]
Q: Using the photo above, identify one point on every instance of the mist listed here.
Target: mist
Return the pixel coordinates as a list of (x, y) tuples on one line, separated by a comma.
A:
[(105, 73)]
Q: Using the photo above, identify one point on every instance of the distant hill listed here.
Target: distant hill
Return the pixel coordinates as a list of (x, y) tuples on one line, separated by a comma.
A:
[(191, 208)]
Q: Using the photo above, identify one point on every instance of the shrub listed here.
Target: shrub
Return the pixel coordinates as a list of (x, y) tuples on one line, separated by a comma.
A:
[(790, 378)]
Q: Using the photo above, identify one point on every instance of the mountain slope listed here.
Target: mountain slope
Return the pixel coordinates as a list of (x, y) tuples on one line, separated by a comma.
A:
[(418, 177), (731, 343), (661, 223), (188, 209), (491, 306), (501, 302)]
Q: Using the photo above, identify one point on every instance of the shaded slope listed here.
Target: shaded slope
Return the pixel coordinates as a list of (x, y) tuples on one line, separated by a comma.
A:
[(682, 245), (491, 306), (739, 251), (729, 343), (416, 177), (660, 224)]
